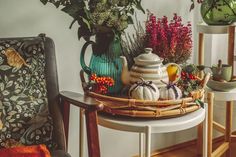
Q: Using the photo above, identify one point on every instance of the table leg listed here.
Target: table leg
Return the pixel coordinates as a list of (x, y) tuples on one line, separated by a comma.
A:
[(141, 145), (200, 51), (81, 133), (148, 141), (210, 98), (228, 128), (199, 139), (231, 35), (205, 127)]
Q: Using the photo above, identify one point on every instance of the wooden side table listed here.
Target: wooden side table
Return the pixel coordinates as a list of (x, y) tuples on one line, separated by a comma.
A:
[(229, 97)]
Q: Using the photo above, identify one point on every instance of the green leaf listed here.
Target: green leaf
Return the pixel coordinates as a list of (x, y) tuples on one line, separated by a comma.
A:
[(14, 70), (5, 92), (72, 23), (40, 101), (191, 7), (72, 10), (14, 98), (5, 67), (21, 102), (84, 32), (130, 20), (57, 4), (6, 104), (6, 78), (9, 84), (199, 102), (139, 6), (131, 11), (86, 22), (2, 86), (44, 1), (12, 113), (11, 121), (17, 91)]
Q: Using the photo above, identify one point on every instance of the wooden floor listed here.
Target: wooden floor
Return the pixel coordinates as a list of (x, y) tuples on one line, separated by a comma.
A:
[(190, 151)]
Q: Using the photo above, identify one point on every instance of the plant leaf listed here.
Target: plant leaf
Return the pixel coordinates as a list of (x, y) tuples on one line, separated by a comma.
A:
[(72, 10), (5, 67), (86, 22), (57, 4), (130, 20), (191, 7), (44, 1), (139, 7)]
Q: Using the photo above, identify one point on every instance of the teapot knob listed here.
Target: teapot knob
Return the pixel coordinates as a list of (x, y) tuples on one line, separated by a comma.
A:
[(148, 50)]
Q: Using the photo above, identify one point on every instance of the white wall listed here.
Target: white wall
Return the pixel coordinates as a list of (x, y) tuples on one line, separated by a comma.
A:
[(29, 18)]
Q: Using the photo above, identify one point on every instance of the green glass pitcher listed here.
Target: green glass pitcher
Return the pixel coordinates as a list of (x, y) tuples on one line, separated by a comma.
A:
[(105, 59), (218, 12)]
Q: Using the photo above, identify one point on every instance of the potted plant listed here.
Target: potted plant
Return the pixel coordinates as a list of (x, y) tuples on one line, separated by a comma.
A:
[(107, 20), (217, 12)]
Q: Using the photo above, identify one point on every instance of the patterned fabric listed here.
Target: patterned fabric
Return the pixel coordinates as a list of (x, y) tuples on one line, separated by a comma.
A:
[(23, 97)]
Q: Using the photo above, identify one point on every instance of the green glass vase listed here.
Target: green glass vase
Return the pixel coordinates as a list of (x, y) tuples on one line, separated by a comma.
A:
[(105, 59), (218, 12)]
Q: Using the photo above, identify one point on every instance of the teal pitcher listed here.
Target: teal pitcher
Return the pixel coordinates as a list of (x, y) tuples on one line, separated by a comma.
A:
[(105, 59)]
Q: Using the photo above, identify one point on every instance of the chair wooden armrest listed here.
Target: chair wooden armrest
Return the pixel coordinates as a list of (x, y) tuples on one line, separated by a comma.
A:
[(90, 106), (81, 100)]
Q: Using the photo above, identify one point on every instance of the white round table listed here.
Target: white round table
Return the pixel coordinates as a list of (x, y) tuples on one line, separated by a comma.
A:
[(147, 127)]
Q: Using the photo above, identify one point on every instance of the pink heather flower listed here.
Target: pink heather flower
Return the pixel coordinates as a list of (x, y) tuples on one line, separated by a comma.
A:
[(170, 40)]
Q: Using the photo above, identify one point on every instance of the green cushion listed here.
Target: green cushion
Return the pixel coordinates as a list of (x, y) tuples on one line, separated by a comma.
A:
[(23, 95)]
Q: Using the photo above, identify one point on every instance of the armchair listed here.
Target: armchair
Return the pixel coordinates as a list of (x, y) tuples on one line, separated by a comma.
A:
[(30, 109)]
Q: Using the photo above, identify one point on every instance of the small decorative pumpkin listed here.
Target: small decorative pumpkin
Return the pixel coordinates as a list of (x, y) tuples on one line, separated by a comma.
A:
[(171, 92), (144, 90)]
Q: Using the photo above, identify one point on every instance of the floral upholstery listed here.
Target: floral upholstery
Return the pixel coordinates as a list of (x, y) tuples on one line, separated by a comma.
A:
[(24, 114)]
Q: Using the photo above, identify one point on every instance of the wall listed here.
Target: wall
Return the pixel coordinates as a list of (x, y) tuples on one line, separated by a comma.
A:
[(29, 18)]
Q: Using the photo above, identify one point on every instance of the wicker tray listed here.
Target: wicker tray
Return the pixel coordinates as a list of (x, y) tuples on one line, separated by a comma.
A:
[(148, 109)]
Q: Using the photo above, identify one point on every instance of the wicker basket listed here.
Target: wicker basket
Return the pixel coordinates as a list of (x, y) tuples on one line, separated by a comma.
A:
[(148, 109)]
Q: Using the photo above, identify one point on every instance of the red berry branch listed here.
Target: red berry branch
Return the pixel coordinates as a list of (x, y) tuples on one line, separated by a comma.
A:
[(101, 84), (189, 81)]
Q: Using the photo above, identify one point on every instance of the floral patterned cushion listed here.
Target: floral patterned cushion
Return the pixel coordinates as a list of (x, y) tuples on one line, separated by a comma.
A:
[(24, 114)]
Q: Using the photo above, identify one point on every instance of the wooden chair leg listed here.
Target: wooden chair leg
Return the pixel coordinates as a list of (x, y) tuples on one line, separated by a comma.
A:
[(228, 130), (81, 134), (92, 133), (199, 139), (210, 99), (66, 116)]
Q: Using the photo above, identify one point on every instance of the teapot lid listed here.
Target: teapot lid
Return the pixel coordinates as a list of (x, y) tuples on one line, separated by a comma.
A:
[(148, 58)]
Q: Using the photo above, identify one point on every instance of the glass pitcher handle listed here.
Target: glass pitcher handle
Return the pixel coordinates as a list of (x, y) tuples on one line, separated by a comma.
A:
[(86, 69)]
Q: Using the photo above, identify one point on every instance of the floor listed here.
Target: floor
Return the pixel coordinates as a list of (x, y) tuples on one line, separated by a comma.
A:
[(190, 151)]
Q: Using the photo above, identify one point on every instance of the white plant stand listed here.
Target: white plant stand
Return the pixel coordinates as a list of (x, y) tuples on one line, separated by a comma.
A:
[(228, 97)]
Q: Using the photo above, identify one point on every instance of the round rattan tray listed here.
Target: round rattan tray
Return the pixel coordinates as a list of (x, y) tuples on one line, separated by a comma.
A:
[(148, 109)]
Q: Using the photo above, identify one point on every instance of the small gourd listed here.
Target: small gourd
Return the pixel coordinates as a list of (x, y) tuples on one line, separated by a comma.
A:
[(144, 90), (171, 92)]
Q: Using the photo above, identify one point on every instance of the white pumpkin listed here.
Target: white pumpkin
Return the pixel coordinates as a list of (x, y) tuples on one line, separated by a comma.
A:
[(171, 92), (144, 90)]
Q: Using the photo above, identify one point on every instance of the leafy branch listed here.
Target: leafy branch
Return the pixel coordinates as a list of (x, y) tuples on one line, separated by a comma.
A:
[(96, 15)]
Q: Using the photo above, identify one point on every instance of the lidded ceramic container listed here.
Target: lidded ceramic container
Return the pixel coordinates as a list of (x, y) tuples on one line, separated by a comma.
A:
[(147, 66)]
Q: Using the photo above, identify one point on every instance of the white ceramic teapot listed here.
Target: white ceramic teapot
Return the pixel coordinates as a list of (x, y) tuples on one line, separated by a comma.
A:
[(149, 67)]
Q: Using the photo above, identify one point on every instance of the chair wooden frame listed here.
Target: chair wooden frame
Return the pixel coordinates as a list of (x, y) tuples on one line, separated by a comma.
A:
[(90, 107)]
